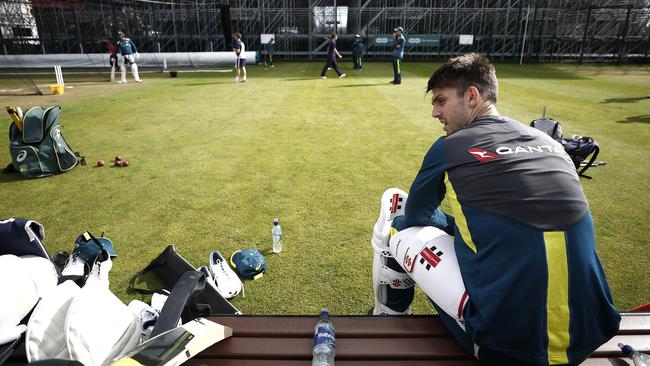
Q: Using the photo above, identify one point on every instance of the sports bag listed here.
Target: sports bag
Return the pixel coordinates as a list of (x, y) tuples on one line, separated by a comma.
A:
[(549, 126), (168, 269), (39, 149), (579, 148)]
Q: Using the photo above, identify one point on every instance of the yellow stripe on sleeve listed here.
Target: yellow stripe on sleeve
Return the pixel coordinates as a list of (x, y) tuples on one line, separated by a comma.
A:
[(557, 302)]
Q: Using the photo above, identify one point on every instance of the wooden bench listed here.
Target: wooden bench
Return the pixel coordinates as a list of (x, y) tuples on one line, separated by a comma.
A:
[(378, 341)]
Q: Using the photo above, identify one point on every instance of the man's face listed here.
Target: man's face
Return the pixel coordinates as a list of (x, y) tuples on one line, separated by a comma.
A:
[(452, 110)]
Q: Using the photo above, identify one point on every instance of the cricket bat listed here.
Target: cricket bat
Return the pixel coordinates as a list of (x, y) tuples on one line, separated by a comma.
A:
[(176, 345), (17, 116)]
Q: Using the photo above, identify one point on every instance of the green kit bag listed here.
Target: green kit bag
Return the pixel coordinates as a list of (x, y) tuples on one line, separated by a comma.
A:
[(40, 150)]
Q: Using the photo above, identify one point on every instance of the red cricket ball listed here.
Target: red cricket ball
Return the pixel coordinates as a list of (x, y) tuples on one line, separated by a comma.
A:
[(100, 162), (118, 162), (118, 157), (125, 163)]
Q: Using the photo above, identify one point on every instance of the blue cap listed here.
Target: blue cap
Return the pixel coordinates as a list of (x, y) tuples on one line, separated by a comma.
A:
[(249, 263), (88, 247)]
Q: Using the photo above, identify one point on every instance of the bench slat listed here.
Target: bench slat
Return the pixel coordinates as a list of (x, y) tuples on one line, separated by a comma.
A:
[(226, 362), (610, 348), (635, 323), (346, 326), (222, 362), (378, 341), (373, 326), (377, 348), (248, 362), (346, 349)]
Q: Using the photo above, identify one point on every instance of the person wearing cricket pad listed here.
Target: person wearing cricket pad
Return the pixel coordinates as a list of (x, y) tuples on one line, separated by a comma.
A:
[(240, 63), (532, 290), (129, 54)]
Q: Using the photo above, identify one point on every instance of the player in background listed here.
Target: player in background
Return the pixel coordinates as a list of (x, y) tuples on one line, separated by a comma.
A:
[(398, 55), (357, 52), (240, 63), (268, 53), (112, 61), (332, 54), (129, 53)]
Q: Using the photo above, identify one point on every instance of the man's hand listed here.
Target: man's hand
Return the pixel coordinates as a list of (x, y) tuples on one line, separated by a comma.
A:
[(137, 55)]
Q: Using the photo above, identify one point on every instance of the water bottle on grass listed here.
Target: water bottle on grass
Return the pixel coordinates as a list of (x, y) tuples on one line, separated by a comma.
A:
[(324, 341), (277, 236)]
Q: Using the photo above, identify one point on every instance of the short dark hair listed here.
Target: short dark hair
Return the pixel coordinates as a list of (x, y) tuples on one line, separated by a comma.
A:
[(333, 36), (238, 35), (464, 71)]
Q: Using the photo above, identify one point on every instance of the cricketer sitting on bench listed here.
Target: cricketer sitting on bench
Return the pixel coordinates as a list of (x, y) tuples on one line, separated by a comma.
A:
[(513, 272)]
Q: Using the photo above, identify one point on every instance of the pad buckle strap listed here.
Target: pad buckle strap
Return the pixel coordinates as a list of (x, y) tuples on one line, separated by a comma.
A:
[(382, 251)]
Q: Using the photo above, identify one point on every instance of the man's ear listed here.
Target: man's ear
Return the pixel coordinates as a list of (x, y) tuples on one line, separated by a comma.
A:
[(473, 96)]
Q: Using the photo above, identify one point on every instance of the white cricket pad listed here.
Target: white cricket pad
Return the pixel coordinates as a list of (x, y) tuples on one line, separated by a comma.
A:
[(98, 326), (393, 202), (25, 280), (45, 337), (427, 254), (122, 70), (134, 70)]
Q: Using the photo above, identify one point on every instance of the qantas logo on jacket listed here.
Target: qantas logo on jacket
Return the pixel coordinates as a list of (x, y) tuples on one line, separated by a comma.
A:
[(484, 156)]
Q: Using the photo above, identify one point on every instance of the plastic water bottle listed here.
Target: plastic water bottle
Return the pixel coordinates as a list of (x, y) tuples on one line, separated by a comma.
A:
[(639, 359), (324, 341), (277, 236)]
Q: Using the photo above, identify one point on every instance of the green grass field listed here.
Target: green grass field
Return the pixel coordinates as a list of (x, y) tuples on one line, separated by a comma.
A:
[(213, 162)]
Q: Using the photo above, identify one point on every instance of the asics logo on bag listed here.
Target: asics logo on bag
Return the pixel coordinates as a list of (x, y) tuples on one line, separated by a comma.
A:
[(484, 156), (21, 156)]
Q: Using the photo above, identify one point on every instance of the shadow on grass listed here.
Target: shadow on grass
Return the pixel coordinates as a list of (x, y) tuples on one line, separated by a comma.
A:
[(18, 94), (642, 118), (210, 83), (83, 83), (267, 252), (356, 85), (505, 70), (9, 177), (299, 79), (624, 100), (536, 72)]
